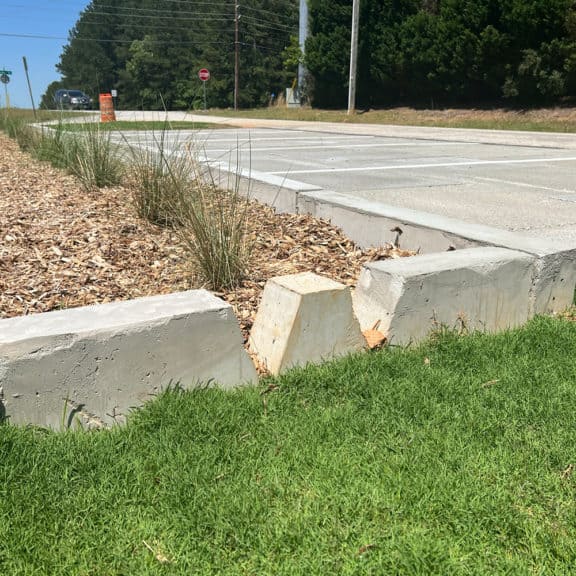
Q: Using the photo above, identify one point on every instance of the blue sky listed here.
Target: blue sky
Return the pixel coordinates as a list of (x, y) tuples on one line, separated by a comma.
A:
[(22, 20)]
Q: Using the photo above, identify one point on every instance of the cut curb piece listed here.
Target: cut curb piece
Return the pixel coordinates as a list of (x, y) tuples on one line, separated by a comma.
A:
[(484, 289), (96, 363), (304, 318), (372, 223)]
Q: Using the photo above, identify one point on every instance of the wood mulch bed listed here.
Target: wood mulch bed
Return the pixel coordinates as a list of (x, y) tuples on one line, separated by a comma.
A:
[(62, 247)]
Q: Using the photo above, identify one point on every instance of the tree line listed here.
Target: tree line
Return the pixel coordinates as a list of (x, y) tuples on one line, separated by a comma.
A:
[(442, 52), (418, 52), (150, 51)]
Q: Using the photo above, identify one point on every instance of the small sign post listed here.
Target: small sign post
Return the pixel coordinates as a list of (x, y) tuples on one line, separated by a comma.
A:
[(5, 78), (204, 75)]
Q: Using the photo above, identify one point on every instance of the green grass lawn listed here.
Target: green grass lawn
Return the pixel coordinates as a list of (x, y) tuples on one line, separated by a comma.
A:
[(452, 458)]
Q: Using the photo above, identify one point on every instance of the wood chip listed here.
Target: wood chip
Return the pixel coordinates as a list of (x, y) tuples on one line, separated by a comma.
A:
[(62, 247)]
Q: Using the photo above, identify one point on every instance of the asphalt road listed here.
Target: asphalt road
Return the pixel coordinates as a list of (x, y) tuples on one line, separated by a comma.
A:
[(522, 182)]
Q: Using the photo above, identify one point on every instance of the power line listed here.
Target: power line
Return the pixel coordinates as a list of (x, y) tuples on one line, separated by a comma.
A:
[(152, 25), (258, 22), (107, 40), (217, 17)]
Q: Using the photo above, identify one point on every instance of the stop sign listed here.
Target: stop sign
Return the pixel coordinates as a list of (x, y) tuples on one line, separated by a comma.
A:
[(204, 74)]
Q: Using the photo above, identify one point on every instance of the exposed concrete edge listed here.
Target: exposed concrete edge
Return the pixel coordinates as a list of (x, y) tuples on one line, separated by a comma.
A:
[(371, 223), (475, 234), (368, 222), (304, 318), (99, 361), (486, 289), (442, 232)]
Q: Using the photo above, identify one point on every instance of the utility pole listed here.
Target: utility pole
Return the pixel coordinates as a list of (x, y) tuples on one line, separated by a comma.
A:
[(302, 35), (29, 85), (236, 56), (353, 56)]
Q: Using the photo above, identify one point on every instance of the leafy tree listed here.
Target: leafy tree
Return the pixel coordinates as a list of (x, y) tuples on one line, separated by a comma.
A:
[(410, 51), (151, 50)]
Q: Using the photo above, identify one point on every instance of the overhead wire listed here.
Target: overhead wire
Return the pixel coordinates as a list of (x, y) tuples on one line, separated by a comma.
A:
[(108, 40), (89, 16)]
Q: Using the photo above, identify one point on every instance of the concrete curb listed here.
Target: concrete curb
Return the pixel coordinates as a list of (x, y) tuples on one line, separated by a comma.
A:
[(372, 223), (487, 289), (304, 318), (96, 363)]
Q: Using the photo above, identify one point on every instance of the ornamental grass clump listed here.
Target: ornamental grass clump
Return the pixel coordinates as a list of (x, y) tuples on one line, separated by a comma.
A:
[(90, 155), (17, 127), (158, 179), (51, 147), (172, 188), (214, 231), (94, 158)]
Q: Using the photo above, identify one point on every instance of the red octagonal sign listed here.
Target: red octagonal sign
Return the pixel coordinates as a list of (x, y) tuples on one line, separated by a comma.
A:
[(204, 74)]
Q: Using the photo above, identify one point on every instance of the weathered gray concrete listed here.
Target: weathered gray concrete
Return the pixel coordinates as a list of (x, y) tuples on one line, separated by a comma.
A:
[(433, 190), (279, 193), (495, 137), (98, 362), (372, 224), (478, 288), (516, 181), (304, 318)]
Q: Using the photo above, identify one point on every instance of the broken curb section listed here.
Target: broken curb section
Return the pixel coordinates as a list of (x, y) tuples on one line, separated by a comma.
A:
[(92, 365)]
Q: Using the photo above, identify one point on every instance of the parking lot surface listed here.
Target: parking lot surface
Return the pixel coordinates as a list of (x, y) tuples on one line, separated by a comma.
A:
[(511, 181)]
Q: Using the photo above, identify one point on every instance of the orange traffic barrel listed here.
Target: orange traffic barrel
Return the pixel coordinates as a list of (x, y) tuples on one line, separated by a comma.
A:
[(107, 108)]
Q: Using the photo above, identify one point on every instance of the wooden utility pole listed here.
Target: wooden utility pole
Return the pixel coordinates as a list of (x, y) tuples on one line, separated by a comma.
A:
[(236, 56), (29, 85), (353, 57)]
